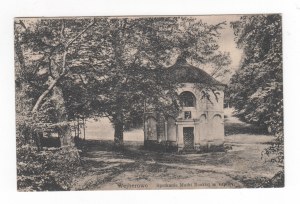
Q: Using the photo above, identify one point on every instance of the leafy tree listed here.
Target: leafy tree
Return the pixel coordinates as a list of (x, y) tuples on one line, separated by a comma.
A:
[(109, 67), (258, 83), (42, 48), (131, 61), (256, 88)]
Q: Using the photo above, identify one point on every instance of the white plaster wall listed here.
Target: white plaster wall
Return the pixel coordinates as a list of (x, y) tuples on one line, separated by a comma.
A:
[(203, 129), (151, 130), (171, 130), (206, 130)]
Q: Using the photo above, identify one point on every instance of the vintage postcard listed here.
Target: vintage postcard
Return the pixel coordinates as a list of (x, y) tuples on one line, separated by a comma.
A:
[(149, 102)]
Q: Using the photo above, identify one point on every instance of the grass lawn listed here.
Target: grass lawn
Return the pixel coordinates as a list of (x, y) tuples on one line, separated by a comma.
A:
[(136, 168)]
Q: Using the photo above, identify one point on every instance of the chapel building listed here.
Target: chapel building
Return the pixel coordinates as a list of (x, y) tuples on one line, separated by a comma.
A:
[(199, 125)]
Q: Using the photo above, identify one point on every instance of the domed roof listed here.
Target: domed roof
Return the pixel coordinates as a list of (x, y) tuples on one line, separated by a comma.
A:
[(182, 72)]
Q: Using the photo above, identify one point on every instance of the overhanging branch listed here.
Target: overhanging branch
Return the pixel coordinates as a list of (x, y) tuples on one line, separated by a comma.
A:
[(64, 68)]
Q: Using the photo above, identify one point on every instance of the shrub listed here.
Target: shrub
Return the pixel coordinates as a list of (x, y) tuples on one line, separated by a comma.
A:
[(47, 170)]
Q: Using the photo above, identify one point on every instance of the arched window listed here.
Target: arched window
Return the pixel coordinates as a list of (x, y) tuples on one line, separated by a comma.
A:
[(187, 99)]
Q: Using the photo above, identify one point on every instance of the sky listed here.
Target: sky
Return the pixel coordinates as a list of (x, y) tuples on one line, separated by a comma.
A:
[(226, 41)]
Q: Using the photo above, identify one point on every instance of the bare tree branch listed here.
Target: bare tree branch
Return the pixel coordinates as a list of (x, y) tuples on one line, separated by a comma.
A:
[(81, 79), (50, 68), (62, 32), (22, 24), (18, 48), (64, 68), (44, 94), (77, 36)]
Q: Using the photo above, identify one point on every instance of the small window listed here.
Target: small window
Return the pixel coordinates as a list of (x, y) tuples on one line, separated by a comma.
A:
[(188, 99), (187, 114)]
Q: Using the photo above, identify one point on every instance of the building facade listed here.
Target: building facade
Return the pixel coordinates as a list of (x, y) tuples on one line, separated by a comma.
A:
[(199, 125)]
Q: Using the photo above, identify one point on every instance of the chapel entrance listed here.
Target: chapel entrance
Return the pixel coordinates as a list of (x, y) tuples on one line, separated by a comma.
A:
[(188, 137)]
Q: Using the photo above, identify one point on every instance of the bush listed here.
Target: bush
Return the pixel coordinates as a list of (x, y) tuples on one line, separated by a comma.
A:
[(47, 170)]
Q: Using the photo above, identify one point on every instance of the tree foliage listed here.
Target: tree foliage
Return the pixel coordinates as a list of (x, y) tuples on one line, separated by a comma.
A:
[(256, 89), (43, 49), (73, 67), (257, 85), (136, 52)]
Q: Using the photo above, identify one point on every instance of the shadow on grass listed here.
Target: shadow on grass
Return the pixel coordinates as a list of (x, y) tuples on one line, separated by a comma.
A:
[(243, 128), (135, 151)]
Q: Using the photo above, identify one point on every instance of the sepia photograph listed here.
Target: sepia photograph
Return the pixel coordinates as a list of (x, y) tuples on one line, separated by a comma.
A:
[(149, 102)]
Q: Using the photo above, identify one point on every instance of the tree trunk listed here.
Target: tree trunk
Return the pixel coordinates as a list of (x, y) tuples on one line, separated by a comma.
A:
[(19, 53), (83, 121), (118, 136), (78, 127), (65, 136), (45, 93), (65, 132)]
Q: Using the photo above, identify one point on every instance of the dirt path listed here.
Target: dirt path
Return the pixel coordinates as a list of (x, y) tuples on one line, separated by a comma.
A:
[(137, 168), (106, 169)]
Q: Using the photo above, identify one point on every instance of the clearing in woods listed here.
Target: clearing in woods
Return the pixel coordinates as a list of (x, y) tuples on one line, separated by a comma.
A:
[(136, 168)]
